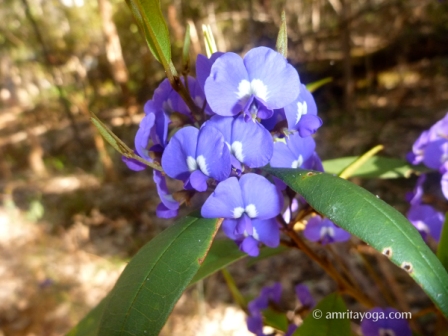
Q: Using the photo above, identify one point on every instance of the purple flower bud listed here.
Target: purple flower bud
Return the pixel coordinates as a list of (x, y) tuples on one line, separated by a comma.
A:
[(324, 231), (304, 295)]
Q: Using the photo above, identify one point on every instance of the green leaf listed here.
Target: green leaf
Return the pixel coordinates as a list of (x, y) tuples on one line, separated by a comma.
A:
[(375, 167), (186, 50), (156, 276), (89, 325), (118, 144), (149, 18), (442, 248), (222, 253), (282, 38), (275, 319), (326, 318), (374, 221), (225, 252)]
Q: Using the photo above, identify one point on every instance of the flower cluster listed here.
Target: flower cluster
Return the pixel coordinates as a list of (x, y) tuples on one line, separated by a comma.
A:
[(255, 111), (431, 149)]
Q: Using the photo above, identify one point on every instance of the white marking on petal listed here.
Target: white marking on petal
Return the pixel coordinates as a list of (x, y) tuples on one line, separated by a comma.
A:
[(238, 212), (297, 163), (244, 89), (202, 164), (421, 226), (251, 211), (237, 150), (326, 231), (259, 89), (302, 108), (255, 234), (191, 163)]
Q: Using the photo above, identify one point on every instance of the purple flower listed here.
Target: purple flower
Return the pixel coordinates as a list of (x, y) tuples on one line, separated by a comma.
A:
[(255, 324), (426, 220), (383, 322), (194, 155), (204, 67), (267, 294), (256, 306), (166, 99), (133, 164), (257, 85), (324, 231), (249, 142), (433, 141), (291, 329), (168, 207), (292, 151), (304, 295), (249, 206), (301, 114)]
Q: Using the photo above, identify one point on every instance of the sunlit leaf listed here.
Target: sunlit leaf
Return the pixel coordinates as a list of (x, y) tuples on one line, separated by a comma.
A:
[(149, 18), (156, 276), (359, 162), (317, 84), (375, 167), (374, 221), (320, 323)]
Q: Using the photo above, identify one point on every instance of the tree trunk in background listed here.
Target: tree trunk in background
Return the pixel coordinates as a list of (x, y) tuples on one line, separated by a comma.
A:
[(347, 60), (113, 48)]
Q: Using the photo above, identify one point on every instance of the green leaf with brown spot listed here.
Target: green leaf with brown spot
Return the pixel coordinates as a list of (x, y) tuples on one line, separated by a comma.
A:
[(374, 221)]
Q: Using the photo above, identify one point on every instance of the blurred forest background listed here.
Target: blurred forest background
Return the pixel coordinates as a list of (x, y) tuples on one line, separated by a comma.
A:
[(71, 213)]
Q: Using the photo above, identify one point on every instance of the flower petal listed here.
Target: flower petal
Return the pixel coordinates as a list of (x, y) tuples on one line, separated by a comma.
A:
[(142, 136), (133, 164), (251, 143), (163, 212), (198, 180), (204, 66), (266, 231), (212, 153), (308, 125), (224, 87), (260, 196), (162, 190), (436, 153), (224, 200), (279, 82), (250, 246), (182, 147)]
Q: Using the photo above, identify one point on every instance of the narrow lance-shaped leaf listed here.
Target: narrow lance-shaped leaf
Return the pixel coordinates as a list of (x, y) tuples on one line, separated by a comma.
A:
[(149, 17), (118, 144), (282, 38), (442, 248), (375, 167), (359, 162), (186, 50), (156, 276), (321, 323), (317, 84), (374, 221), (209, 40), (89, 325)]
